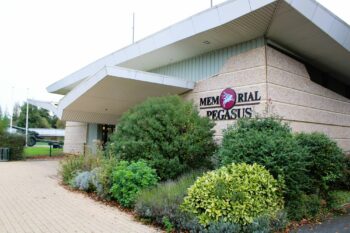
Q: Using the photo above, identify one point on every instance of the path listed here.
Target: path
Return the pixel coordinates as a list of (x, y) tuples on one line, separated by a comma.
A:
[(31, 200)]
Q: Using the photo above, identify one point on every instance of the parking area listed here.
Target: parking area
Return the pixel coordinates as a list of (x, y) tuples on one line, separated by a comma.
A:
[(31, 200)]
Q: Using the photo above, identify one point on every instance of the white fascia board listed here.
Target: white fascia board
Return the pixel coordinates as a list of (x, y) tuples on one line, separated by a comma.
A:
[(198, 23), (125, 73), (324, 19)]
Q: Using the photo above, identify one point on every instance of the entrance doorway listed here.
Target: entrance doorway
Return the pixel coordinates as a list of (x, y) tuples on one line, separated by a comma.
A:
[(106, 132)]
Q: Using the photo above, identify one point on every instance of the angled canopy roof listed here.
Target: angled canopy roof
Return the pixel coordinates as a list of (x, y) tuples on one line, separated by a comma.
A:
[(50, 106), (302, 26), (94, 100)]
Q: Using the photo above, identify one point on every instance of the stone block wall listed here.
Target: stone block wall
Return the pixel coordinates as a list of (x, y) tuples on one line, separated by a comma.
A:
[(245, 72), (75, 137), (306, 105), (286, 90)]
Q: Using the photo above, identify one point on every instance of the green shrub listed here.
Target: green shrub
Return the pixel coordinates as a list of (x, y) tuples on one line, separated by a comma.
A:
[(71, 165), (165, 200), (238, 193), (104, 177), (129, 178), (259, 225), (269, 142), (15, 143), (166, 132), (325, 161), (306, 206), (337, 199), (168, 226), (224, 227), (279, 222), (344, 183)]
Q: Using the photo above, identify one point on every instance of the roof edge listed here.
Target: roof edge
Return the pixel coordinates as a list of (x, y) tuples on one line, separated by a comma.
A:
[(221, 13), (124, 73)]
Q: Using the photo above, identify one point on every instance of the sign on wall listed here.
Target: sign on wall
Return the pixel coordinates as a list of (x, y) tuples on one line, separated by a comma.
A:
[(230, 105)]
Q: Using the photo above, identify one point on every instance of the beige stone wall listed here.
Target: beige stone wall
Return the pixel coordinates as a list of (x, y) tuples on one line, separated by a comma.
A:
[(75, 137), (286, 91), (244, 72), (306, 105)]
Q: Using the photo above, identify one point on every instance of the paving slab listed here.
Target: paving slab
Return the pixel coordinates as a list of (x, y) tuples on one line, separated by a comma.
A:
[(31, 200)]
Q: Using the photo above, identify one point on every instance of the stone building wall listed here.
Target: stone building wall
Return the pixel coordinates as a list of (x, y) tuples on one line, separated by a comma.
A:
[(245, 72), (306, 105), (286, 90), (75, 137)]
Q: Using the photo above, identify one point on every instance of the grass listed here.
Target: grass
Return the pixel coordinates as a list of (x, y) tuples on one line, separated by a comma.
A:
[(41, 151)]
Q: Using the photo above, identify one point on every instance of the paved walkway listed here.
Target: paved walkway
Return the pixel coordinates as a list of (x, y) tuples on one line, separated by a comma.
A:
[(31, 200)]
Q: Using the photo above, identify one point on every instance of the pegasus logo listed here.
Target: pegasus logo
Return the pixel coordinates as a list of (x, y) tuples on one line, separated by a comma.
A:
[(227, 98)]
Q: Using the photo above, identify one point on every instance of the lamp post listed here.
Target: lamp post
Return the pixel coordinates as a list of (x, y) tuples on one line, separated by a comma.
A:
[(12, 105)]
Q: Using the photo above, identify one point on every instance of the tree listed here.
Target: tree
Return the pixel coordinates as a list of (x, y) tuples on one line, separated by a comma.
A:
[(38, 117), (4, 121), (15, 113)]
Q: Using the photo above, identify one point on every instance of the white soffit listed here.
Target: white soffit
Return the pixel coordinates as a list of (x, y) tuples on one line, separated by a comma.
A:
[(181, 40), (103, 97), (315, 34)]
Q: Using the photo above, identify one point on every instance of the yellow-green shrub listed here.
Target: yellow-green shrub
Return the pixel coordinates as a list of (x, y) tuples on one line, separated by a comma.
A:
[(236, 193)]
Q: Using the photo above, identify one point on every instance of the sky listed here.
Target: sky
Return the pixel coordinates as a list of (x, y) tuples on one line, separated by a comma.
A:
[(42, 41)]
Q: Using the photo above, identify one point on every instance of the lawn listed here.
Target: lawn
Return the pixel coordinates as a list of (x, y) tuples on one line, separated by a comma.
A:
[(41, 151)]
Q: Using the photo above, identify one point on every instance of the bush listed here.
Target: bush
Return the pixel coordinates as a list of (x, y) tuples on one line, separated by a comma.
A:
[(73, 164), (82, 181), (325, 161), (279, 222), (86, 181), (224, 227), (15, 143), (259, 225), (269, 142), (129, 178), (238, 193), (103, 182), (306, 206), (262, 224), (165, 199), (344, 183), (337, 199), (167, 133)]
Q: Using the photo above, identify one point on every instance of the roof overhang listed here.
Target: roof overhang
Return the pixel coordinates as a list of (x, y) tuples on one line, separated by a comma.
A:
[(50, 106), (103, 97), (302, 26)]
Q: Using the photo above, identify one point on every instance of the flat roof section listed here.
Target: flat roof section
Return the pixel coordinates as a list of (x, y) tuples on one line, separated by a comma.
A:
[(103, 97)]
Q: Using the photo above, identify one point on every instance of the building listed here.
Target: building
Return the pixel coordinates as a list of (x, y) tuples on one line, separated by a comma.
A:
[(242, 58)]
